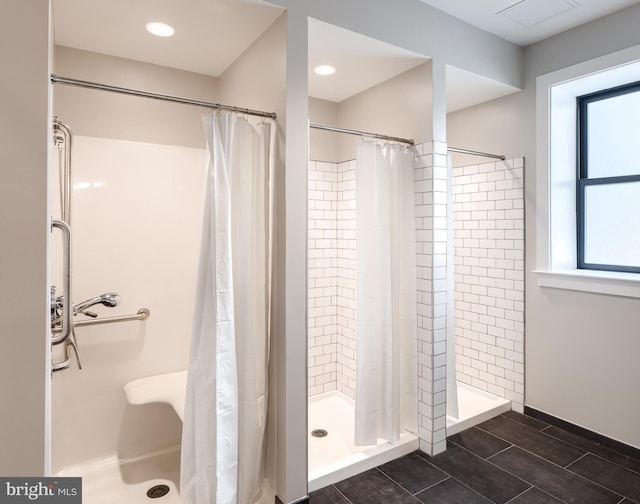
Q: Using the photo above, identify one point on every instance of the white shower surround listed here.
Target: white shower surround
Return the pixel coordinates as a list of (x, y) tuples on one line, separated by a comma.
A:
[(331, 276), (136, 222), (488, 212), (489, 197)]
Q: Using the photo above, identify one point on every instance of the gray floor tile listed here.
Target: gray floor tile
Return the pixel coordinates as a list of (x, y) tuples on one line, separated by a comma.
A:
[(475, 472), (532, 440), (451, 491), (535, 496), (413, 473), (559, 482), (479, 442), (327, 495), (595, 448), (609, 475), (373, 487)]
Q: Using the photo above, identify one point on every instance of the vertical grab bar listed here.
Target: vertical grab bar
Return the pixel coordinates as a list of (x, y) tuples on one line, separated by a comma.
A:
[(67, 307)]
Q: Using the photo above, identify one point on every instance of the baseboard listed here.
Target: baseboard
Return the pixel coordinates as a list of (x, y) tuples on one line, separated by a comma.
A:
[(614, 444)]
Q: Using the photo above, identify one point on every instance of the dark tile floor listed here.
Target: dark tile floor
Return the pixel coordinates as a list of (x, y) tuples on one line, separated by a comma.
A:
[(512, 459)]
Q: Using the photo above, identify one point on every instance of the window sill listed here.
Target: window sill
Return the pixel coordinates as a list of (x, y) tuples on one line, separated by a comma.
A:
[(600, 282)]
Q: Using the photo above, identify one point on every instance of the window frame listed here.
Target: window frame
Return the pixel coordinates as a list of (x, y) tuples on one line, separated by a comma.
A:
[(582, 177), (553, 216)]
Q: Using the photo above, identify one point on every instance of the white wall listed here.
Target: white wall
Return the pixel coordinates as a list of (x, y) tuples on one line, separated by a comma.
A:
[(581, 349), (145, 249), (399, 107), (108, 115), (323, 145), (25, 231)]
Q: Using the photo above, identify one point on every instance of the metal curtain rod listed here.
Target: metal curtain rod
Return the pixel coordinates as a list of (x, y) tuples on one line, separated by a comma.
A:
[(362, 133), (176, 99), (476, 153)]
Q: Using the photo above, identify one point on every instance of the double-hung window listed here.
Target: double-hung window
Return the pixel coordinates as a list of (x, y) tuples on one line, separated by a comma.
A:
[(608, 181)]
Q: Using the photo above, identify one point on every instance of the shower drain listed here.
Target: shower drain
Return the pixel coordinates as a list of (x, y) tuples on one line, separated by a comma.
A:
[(157, 491), (319, 433)]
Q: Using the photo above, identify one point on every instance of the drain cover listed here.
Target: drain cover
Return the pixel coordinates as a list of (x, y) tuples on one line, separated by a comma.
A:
[(319, 433), (157, 491)]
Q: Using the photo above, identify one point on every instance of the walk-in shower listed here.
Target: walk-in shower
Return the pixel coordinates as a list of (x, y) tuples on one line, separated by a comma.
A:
[(485, 365), (137, 215)]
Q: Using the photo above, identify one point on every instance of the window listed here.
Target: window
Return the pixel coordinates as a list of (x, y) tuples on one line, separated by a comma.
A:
[(610, 221), (608, 181)]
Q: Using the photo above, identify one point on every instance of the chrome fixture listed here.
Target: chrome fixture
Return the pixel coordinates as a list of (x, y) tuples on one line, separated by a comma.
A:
[(110, 299), (61, 311), (142, 314)]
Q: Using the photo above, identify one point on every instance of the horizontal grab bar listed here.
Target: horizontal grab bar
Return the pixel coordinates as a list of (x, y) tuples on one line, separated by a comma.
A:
[(143, 314)]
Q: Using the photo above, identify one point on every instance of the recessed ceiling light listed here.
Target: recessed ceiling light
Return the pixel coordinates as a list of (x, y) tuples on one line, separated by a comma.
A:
[(324, 70), (160, 29)]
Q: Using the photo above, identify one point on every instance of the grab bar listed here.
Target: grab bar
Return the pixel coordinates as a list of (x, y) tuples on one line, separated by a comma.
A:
[(143, 314), (67, 309)]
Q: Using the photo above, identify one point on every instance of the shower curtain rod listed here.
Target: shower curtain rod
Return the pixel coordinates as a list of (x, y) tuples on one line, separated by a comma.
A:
[(362, 133), (176, 99), (476, 153), (401, 140)]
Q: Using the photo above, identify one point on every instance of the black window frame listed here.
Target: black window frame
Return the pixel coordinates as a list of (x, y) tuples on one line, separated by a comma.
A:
[(583, 180)]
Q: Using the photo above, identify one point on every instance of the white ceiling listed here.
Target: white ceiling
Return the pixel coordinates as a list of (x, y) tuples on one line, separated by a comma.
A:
[(525, 22), (212, 34), (360, 62)]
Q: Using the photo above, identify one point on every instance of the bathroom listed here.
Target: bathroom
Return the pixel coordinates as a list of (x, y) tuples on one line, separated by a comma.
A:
[(459, 133), (124, 155)]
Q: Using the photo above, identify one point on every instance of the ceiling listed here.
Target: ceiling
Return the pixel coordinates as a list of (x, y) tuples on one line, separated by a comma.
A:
[(525, 22), (212, 34)]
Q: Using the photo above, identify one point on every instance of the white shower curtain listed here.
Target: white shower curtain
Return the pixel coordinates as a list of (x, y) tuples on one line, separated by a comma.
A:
[(386, 326), (226, 399)]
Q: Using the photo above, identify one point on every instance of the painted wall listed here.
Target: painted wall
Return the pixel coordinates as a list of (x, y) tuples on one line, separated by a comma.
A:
[(25, 230), (323, 145), (108, 115), (400, 106), (581, 349)]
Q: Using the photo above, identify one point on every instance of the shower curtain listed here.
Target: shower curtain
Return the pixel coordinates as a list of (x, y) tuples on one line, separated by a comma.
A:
[(386, 325), (226, 398)]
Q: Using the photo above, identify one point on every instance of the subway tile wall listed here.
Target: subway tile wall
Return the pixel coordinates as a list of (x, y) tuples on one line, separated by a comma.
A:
[(331, 277), (488, 212), (322, 275), (431, 249)]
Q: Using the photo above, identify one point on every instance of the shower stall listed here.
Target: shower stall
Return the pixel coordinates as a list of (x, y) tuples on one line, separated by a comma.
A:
[(474, 287), (135, 209)]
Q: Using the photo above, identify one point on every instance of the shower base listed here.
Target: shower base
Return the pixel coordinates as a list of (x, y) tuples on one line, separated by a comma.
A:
[(111, 480), (474, 407), (335, 457)]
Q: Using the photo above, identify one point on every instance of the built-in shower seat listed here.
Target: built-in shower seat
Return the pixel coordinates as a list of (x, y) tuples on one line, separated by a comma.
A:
[(167, 388)]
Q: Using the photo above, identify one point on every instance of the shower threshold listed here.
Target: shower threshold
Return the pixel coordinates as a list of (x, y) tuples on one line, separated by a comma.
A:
[(335, 457), (474, 407)]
